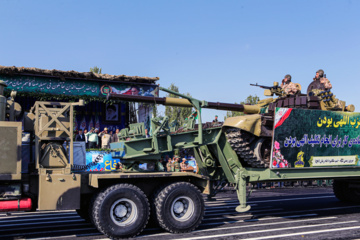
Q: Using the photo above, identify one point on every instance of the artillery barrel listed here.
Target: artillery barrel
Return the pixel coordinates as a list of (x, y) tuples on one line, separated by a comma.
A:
[(180, 102)]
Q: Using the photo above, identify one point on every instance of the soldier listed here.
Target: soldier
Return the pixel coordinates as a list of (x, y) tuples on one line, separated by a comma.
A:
[(288, 86), (216, 119), (177, 165), (92, 138), (183, 165), (168, 165), (321, 87), (105, 138), (320, 77)]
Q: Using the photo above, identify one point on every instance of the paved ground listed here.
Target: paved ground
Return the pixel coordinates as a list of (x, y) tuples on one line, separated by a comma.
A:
[(282, 213)]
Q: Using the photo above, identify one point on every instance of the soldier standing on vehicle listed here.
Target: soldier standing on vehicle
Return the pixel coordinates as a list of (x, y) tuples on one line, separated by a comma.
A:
[(177, 165), (183, 165), (92, 138), (105, 138), (216, 119), (288, 86), (168, 165)]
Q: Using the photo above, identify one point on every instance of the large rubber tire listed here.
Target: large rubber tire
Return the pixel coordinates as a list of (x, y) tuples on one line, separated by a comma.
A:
[(121, 211), (344, 192), (179, 207)]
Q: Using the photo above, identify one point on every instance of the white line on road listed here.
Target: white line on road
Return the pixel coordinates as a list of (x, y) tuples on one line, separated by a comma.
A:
[(274, 200), (225, 206), (45, 232), (41, 219), (246, 226), (302, 233), (267, 230), (35, 223), (234, 212), (261, 219), (38, 216)]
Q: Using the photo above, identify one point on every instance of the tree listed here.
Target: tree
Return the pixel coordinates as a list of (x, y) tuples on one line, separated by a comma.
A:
[(96, 70), (179, 113), (252, 100)]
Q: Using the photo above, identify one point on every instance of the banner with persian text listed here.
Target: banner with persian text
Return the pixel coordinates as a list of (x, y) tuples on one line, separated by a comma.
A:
[(315, 138), (57, 86)]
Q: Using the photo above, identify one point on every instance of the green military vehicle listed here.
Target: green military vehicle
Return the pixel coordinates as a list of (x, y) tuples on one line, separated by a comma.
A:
[(264, 145)]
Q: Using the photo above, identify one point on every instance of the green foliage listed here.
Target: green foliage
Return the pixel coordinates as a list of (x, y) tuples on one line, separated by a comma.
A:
[(251, 100), (179, 113), (96, 70)]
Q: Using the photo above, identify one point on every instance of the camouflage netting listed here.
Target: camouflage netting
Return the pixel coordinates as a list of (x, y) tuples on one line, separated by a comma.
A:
[(74, 75)]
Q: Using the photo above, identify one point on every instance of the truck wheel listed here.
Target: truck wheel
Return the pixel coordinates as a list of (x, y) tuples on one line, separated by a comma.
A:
[(121, 211), (179, 207)]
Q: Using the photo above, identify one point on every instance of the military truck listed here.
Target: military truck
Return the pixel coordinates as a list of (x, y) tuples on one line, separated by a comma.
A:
[(121, 202)]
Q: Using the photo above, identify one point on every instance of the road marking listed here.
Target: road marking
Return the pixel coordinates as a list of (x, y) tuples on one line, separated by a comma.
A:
[(234, 212), (225, 206), (38, 216), (303, 233), (275, 200), (267, 230), (246, 226), (266, 224), (22, 220), (42, 226), (261, 219), (44, 232), (34, 223)]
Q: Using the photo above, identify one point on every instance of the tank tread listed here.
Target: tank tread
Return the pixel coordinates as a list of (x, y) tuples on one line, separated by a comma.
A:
[(244, 144)]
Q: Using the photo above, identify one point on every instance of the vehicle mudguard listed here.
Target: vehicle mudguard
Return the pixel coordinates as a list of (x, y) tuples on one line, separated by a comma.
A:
[(250, 123)]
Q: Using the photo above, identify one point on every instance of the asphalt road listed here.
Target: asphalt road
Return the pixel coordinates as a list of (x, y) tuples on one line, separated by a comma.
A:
[(287, 213)]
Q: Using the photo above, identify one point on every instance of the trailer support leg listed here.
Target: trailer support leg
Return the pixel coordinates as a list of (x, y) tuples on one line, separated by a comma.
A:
[(241, 191)]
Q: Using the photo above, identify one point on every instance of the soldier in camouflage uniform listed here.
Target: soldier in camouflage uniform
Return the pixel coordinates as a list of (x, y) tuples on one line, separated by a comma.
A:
[(168, 165), (288, 87), (322, 90), (177, 165)]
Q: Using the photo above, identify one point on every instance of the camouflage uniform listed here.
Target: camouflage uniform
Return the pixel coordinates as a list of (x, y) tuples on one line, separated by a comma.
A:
[(289, 88), (324, 93), (177, 166), (168, 166)]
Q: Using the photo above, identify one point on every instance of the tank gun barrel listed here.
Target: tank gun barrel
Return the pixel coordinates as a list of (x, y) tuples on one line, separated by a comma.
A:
[(181, 102)]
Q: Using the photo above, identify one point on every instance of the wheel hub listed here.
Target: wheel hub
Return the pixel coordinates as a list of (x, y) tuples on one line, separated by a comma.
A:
[(182, 208), (123, 212), (179, 207)]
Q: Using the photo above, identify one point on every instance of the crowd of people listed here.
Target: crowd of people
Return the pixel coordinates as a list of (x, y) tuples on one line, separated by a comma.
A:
[(176, 164), (96, 139)]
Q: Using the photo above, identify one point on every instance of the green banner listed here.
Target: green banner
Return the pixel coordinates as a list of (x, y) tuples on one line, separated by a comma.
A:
[(315, 138), (56, 86)]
